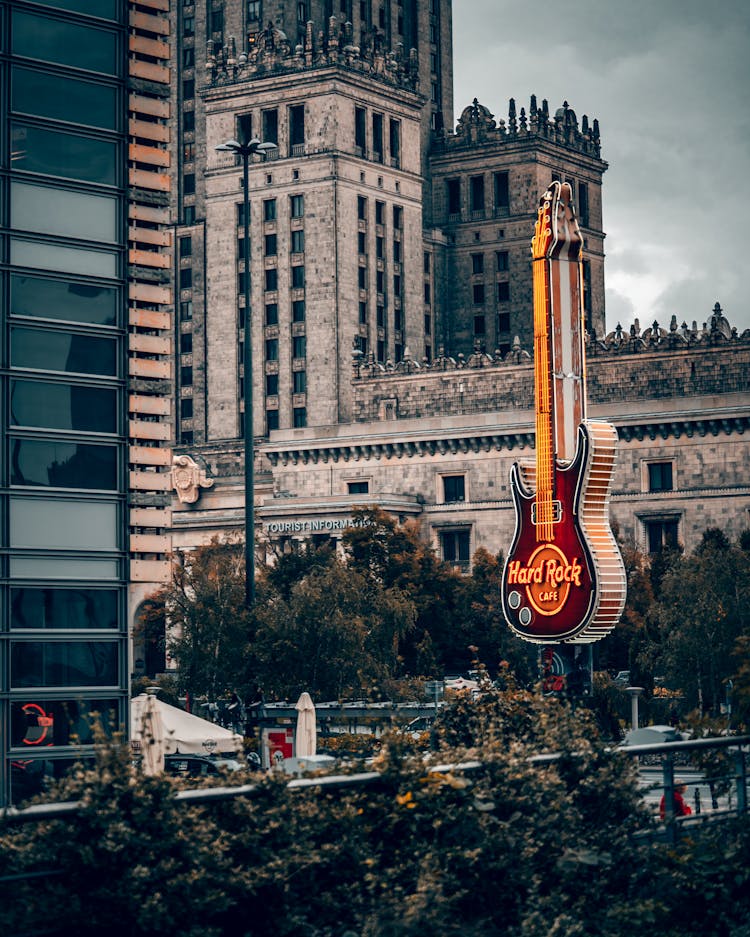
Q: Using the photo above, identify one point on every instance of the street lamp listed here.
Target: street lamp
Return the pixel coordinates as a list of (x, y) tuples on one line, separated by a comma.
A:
[(245, 151)]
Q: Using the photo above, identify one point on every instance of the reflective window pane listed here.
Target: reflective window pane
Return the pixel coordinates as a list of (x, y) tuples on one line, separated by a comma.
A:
[(53, 567), (62, 464), (59, 98), (63, 608), (63, 663), (62, 406), (55, 299), (67, 259), (62, 351), (32, 776), (47, 524), (40, 37), (65, 213), (39, 723), (54, 153), (106, 9)]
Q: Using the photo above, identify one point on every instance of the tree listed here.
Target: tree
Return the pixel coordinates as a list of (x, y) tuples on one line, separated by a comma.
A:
[(209, 628), (702, 611), (334, 633)]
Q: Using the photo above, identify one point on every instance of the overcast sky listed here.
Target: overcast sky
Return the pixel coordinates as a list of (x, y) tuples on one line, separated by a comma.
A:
[(669, 81)]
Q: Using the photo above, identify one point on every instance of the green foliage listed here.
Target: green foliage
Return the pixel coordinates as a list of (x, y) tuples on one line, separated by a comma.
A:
[(517, 848)]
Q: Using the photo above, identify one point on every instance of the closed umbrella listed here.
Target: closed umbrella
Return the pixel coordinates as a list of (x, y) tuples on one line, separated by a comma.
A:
[(305, 737), (151, 732)]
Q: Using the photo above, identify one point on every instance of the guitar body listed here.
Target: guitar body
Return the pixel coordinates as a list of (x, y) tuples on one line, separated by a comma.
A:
[(570, 588)]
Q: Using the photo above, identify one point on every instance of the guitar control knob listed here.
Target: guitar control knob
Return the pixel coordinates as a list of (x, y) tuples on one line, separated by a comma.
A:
[(524, 616), (514, 599)]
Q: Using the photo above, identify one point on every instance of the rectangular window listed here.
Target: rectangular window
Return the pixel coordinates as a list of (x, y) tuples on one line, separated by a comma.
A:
[(358, 488), (477, 193), (660, 476), (297, 125), (272, 420), (269, 245), (297, 206), (298, 241), (271, 126), (427, 325), (363, 313), (501, 190), (662, 534), (62, 98), (501, 260), (503, 292), (377, 137), (272, 385), (396, 285), (380, 281), (397, 322), (188, 184), (186, 343), (53, 464), (298, 310), (361, 242), (188, 121), (360, 131), (63, 663), (397, 252), (186, 408), (361, 208), (188, 58), (63, 406), (380, 316), (454, 488), (272, 314), (244, 127), (299, 382), (298, 278), (477, 263), (379, 248), (427, 294), (188, 214), (453, 196), (478, 294), (186, 278), (67, 155), (583, 204), (63, 351), (398, 217), (362, 277), (188, 88), (186, 310), (186, 247), (379, 212), (52, 524), (480, 325), (299, 346), (63, 609), (299, 417), (380, 348), (269, 209), (59, 722), (272, 349), (188, 26), (503, 322), (65, 43), (271, 279), (253, 10), (217, 21), (186, 375), (395, 142), (455, 547), (62, 212)]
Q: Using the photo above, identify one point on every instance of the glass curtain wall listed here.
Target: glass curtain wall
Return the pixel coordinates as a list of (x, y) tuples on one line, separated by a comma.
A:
[(63, 471)]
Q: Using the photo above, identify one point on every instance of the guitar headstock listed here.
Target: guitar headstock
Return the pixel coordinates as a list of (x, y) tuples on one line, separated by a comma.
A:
[(556, 230)]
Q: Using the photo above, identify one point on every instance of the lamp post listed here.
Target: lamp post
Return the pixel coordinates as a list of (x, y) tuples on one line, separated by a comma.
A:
[(245, 151)]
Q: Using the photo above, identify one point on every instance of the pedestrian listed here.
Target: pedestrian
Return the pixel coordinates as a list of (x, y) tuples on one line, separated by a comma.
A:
[(681, 807), (253, 709), (234, 712)]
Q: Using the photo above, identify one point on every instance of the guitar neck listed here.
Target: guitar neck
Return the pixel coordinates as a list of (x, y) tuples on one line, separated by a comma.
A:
[(545, 455)]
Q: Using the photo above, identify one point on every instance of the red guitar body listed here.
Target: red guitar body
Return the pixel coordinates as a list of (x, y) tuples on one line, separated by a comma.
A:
[(570, 588)]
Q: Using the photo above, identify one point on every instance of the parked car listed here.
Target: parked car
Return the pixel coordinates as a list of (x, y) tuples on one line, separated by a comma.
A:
[(623, 678), (198, 766)]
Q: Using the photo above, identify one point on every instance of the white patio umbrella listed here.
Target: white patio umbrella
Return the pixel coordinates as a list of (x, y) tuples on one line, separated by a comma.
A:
[(151, 732), (305, 737)]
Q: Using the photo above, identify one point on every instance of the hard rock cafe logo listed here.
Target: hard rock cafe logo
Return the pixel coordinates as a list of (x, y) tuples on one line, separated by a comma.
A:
[(548, 577)]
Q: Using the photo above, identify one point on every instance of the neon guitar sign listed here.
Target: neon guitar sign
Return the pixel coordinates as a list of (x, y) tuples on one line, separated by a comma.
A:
[(564, 579)]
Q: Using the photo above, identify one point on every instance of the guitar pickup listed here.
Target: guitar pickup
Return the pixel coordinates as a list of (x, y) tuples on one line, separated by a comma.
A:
[(556, 512)]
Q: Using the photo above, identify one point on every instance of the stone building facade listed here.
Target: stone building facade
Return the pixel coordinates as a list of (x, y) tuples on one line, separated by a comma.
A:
[(437, 443)]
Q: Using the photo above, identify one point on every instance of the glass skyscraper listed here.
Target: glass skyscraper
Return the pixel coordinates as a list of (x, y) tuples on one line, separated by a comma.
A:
[(66, 472)]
